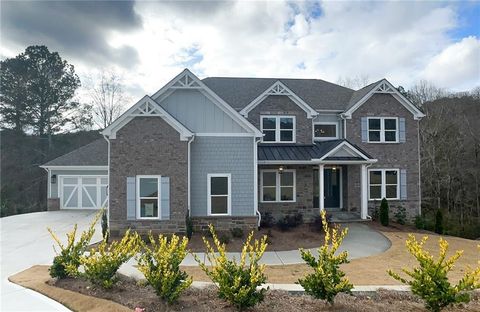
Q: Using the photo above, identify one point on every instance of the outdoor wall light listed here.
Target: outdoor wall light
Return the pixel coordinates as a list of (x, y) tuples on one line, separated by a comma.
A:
[(53, 179), (280, 170)]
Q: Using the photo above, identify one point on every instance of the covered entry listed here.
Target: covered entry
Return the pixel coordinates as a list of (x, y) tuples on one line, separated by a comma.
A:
[(83, 192)]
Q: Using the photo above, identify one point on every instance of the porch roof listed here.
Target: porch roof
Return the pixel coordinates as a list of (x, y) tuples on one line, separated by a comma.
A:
[(308, 153)]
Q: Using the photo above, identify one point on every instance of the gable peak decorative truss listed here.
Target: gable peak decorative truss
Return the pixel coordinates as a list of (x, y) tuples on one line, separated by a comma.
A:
[(186, 81), (384, 87), (147, 108), (278, 88)]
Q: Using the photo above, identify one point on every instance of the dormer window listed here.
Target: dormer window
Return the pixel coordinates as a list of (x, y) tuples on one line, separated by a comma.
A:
[(278, 129)]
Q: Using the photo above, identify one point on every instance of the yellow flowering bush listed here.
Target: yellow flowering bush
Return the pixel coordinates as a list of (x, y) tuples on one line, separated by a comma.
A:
[(429, 280), (103, 262), (327, 280), (67, 260), (237, 282), (160, 264)]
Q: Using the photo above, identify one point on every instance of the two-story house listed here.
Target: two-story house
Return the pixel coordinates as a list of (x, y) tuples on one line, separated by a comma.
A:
[(227, 150)]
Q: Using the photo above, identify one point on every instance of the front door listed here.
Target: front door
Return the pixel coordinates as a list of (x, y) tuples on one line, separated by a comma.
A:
[(332, 187)]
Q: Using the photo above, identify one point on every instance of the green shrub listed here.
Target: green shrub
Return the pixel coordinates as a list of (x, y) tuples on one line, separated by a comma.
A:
[(189, 227), (102, 263), (401, 215), (105, 232), (267, 221), (160, 264), (224, 238), (289, 222), (384, 218), (429, 280), (237, 282), (327, 280), (420, 222), (317, 224), (67, 261), (439, 222), (237, 232)]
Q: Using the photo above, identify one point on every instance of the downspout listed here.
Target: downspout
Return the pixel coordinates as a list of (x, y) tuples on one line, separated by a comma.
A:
[(419, 171), (188, 173), (108, 180), (344, 121), (369, 217), (255, 177)]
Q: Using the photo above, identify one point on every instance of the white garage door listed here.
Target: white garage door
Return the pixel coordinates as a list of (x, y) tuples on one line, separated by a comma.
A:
[(83, 192)]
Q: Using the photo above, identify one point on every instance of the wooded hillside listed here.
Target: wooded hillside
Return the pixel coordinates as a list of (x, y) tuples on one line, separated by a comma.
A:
[(23, 184)]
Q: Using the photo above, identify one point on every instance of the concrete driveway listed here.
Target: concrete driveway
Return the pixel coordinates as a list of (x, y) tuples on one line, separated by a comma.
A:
[(25, 242)]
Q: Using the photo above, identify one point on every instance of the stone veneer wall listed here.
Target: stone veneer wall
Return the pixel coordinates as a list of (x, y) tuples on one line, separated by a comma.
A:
[(389, 155), (304, 193), (53, 204), (148, 146), (224, 223), (283, 105)]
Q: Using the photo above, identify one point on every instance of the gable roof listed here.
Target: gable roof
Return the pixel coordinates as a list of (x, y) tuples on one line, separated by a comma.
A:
[(318, 94), (146, 107), (92, 154)]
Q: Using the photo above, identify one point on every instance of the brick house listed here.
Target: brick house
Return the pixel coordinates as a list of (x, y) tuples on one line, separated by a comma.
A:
[(229, 150)]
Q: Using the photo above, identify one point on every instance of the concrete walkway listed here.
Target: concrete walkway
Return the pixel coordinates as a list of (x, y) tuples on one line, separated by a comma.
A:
[(361, 241), (24, 242)]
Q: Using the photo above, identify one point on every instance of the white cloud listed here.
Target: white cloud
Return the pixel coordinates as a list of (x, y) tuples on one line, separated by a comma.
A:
[(457, 66)]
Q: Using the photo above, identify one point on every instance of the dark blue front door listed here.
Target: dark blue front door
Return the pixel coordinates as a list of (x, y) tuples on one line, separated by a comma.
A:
[(332, 188)]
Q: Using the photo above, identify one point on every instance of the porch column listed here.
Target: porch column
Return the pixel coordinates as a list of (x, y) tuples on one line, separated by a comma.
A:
[(363, 192), (321, 193)]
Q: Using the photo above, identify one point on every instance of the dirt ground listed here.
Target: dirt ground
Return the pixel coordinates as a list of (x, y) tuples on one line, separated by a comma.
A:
[(302, 236), (373, 270), (79, 295)]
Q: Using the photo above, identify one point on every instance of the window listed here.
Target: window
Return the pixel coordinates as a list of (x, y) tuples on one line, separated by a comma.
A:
[(278, 129), (219, 190), (278, 185), (325, 131), (148, 197), (383, 183), (382, 129)]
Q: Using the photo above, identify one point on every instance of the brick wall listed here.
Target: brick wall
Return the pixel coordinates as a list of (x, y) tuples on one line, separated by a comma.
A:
[(148, 146), (390, 155)]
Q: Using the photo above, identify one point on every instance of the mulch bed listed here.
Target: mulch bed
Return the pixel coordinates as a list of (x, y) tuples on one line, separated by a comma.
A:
[(132, 294)]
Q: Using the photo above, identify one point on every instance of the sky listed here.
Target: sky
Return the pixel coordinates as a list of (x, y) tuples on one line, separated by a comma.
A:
[(148, 43)]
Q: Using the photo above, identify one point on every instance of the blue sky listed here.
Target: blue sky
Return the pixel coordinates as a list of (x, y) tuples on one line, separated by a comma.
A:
[(149, 43)]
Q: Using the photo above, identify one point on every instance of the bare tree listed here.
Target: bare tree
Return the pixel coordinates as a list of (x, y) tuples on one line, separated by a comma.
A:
[(424, 91), (356, 82), (108, 98)]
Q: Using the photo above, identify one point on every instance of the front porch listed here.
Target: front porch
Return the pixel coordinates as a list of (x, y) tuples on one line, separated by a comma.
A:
[(335, 181)]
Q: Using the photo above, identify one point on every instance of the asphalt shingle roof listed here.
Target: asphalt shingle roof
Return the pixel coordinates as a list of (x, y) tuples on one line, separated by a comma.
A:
[(319, 94), (92, 154), (302, 152)]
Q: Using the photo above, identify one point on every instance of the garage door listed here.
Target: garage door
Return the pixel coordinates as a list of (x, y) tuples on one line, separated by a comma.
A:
[(83, 192)]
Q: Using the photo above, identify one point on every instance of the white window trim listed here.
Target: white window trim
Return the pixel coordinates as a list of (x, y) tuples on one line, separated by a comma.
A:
[(159, 199), (383, 185), (209, 196), (325, 123), (277, 186), (382, 130), (277, 128)]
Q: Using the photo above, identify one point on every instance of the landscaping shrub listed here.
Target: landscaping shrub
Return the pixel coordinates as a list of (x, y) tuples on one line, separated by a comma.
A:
[(401, 215), (420, 222), (317, 224), (67, 261), (103, 262), (237, 282), (384, 218), (237, 232), (429, 280), (105, 232), (439, 222), (189, 227), (327, 280), (289, 222), (160, 264), (224, 238), (267, 221)]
